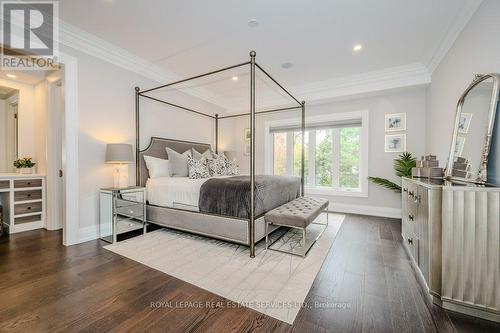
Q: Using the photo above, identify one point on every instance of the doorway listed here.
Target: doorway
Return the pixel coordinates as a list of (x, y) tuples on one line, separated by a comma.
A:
[(56, 196)]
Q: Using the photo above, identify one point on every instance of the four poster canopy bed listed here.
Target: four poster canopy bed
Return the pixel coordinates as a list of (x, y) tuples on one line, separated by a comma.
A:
[(226, 208)]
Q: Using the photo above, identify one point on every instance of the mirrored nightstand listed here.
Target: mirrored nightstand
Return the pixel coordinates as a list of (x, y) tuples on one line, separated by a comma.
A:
[(121, 211)]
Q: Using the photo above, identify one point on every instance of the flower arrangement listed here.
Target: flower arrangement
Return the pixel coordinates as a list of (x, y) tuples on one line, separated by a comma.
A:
[(25, 163)]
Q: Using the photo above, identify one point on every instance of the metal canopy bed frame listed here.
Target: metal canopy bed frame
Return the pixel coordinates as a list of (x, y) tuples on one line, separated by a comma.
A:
[(180, 218)]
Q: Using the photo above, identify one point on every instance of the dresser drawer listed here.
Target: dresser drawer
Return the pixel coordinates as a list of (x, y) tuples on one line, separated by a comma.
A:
[(4, 184), (27, 219), (27, 195), (27, 208), (129, 209), (27, 183)]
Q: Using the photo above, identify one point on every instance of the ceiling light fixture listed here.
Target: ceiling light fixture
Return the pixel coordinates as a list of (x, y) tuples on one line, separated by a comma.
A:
[(12, 76), (234, 78), (357, 47), (253, 23), (286, 65)]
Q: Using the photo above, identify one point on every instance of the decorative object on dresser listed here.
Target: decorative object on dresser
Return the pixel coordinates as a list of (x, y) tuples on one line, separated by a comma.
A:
[(119, 154), (22, 198), (473, 131), (121, 210), (402, 166), (24, 165), (427, 167)]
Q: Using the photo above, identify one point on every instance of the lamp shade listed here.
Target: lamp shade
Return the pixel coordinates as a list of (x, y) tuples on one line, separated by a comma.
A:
[(119, 153)]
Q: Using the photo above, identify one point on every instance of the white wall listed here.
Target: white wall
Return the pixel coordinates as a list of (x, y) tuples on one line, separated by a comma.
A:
[(476, 50), (106, 107), (380, 201)]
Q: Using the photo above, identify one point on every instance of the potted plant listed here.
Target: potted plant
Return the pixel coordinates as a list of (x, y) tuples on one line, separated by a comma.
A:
[(402, 167), (24, 165)]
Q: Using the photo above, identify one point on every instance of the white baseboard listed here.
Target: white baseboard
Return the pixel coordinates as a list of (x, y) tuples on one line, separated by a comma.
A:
[(88, 233), (366, 210)]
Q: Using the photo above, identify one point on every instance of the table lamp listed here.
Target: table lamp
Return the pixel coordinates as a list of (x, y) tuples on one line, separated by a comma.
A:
[(120, 155)]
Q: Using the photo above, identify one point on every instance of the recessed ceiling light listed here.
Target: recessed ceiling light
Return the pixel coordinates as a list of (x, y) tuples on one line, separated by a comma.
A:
[(234, 78), (253, 23), (286, 65), (357, 47), (12, 76)]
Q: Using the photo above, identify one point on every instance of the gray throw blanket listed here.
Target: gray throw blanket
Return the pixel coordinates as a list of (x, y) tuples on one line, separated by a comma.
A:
[(231, 196)]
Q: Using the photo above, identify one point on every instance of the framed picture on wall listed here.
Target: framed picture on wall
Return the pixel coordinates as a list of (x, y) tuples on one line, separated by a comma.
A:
[(395, 143), (246, 150), (395, 122), (464, 122), (247, 136)]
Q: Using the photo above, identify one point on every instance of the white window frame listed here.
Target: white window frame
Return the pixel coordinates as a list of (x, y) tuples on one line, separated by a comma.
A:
[(318, 119)]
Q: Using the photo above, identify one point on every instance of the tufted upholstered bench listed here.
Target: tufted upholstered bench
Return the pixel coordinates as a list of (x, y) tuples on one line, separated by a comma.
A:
[(299, 214)]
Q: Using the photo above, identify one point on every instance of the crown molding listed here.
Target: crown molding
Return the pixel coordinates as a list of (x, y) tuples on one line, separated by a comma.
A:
[(451, 35), (390, 78), (387, 79), (92, 45)]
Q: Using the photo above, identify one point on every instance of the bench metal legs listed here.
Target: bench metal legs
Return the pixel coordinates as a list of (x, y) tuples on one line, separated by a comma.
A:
[(303, 242)]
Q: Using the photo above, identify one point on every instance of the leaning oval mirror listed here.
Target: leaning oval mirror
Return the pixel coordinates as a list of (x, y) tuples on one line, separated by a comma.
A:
[(468, 160)]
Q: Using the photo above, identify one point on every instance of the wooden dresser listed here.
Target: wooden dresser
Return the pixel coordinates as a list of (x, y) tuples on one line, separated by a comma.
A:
[(23, 201), (451, 231)]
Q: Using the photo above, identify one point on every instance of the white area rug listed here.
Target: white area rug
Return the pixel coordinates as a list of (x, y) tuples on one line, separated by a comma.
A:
[(273, 283)]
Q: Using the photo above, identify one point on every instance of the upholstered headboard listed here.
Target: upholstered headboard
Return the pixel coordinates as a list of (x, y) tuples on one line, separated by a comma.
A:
[(157, 147)]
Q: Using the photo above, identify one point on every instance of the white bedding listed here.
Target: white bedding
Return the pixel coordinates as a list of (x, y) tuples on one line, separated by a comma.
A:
[(176, 192)]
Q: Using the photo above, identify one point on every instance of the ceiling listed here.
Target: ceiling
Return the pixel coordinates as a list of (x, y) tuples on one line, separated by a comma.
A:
[(6, 92), (31, 77), (317, 37)]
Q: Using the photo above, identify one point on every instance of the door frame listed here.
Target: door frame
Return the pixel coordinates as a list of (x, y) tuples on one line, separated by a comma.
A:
[(70, 154)]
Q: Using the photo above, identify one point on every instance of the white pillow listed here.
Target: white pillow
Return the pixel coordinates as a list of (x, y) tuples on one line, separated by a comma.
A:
[(157, 167), (178, 162)]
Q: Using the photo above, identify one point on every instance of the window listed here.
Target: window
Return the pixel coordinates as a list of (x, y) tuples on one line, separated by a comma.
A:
[(333, 153)]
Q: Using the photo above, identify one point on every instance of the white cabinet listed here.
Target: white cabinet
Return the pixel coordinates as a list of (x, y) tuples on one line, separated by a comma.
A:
[(22, 198)]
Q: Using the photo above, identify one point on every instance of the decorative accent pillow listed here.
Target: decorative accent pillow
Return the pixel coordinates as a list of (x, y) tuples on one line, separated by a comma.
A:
[(157, 167), (197, 155), (178, 162), (232, 168), (198, 168), (218, 165)]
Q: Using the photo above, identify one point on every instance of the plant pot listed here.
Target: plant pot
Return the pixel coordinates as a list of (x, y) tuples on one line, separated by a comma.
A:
[(25, 171)]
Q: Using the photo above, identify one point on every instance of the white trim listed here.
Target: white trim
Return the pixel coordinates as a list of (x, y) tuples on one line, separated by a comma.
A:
[(70, 160), (389, 78), (88, 233), (452, 33), (363, 168), (365, 210)]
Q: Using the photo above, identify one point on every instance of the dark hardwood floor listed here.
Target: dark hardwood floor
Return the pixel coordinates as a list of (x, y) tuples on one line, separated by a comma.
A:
[(366, 284)]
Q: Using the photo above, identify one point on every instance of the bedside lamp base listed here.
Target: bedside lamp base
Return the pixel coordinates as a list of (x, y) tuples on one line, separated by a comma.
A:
[(120, 176)]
